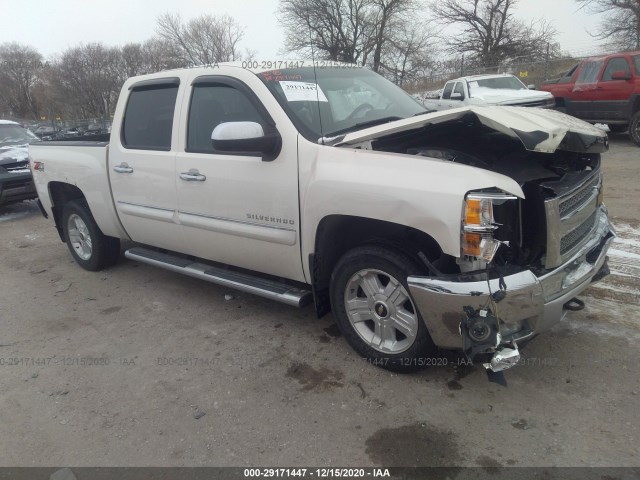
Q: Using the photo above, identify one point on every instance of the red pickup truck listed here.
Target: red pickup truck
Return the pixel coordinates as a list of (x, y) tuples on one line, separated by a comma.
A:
[(602, 89)]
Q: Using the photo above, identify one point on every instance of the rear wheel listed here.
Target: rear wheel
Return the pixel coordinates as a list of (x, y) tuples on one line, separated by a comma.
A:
[(634, 128), (90, 248), (373, 308)]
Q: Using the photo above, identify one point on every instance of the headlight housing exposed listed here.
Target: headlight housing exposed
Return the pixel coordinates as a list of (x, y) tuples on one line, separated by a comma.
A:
[(479, 226)]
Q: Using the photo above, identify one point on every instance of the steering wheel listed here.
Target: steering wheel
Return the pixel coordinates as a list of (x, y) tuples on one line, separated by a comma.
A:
[(360, 109)]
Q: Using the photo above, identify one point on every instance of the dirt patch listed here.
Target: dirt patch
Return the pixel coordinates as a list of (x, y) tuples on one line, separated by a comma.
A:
[(418, 445), (312, 379)]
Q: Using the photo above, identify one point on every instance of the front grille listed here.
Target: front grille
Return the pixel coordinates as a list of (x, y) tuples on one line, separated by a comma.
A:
[(577, 200), (11, 167), (570, 220), (573, 238)]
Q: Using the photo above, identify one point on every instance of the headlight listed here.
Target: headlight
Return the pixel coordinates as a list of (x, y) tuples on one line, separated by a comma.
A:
[(478, 224)]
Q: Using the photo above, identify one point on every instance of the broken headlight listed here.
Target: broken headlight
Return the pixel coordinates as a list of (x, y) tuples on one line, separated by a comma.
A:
[(479, 225)]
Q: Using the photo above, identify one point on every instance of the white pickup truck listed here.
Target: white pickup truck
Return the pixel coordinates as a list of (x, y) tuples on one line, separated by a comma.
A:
[(482, 90), (468, 229)]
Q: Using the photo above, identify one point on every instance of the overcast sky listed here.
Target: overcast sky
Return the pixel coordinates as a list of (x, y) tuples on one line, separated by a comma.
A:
[(51, 26)]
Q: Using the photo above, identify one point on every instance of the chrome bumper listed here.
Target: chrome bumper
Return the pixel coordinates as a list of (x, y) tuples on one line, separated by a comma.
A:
[(533, 304)]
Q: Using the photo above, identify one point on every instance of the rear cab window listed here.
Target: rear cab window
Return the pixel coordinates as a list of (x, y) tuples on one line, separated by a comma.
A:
[(148, 117)]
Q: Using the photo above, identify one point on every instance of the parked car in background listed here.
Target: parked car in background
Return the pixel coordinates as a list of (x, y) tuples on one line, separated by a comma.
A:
[(500, 89), (46, 133), (16, 183), (602, 89)]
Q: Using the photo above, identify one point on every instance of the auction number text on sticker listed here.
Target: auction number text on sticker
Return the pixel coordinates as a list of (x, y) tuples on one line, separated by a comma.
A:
[(303, 92)]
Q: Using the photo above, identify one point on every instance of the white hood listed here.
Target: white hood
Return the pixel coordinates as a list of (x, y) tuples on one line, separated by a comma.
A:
[(538, 129), (505, 96)]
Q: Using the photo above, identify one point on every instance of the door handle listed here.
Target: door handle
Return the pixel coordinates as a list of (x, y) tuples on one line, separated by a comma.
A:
[(123, 168), (193, 175)]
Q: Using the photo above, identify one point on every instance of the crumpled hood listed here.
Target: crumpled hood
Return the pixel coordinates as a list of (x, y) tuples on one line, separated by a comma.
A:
[(540, 130), (503, 96), (14, 153)]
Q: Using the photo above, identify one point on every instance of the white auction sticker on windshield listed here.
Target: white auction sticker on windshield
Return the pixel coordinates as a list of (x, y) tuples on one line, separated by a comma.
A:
[(303, 92)]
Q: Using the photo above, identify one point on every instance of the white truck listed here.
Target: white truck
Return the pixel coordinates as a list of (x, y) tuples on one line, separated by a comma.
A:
[(498, 89), (469, 229)]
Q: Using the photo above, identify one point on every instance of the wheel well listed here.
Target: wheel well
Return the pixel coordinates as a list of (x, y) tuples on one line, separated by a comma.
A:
[(60, 193), (635, 107), (337, 234)]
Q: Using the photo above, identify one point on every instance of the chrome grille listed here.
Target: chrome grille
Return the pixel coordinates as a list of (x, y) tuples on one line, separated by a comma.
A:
[(573, 238), (571, 219), (10, 167), (577, 200)]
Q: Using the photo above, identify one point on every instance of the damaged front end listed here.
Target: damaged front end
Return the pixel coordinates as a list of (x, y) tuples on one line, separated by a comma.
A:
[(486, 314)]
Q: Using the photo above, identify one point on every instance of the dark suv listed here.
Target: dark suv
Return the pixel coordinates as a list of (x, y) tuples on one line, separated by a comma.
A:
[(16, 183)]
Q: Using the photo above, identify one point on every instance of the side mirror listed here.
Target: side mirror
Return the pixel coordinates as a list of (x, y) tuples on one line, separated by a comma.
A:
[(457, 96), (531, 86), (620, 75), (246, 138)]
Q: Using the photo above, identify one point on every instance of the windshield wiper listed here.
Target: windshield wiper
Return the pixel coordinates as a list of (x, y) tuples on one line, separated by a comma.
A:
[(359, 126)]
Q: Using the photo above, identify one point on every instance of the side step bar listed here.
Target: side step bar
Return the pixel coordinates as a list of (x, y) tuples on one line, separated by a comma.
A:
[(244, 282)]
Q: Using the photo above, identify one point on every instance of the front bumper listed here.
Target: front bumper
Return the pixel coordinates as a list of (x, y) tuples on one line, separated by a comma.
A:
[(533, 304), (15, 187)]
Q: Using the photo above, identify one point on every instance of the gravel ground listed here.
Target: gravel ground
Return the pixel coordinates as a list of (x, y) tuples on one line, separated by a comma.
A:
[(139, 366)]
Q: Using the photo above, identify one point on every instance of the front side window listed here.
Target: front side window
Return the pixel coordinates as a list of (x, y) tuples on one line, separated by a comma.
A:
[(589, 73), (148, 118), (211, 105), (617, 64), (459, 88)]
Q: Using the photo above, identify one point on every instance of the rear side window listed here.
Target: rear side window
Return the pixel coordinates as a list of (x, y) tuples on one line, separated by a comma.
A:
[(617, 64), (636, 63), (447, 91), (589, 73), (148, 118)]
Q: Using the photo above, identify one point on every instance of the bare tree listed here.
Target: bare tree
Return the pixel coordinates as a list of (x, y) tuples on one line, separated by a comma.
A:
[(490, 33), (407, 55), (203, 40), (20, 66), (620, 25), (86, 80), (337, 30)]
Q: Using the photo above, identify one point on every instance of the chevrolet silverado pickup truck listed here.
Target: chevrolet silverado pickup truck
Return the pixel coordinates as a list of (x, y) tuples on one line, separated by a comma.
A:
[(468, 229), (481, 90), (602, 89)]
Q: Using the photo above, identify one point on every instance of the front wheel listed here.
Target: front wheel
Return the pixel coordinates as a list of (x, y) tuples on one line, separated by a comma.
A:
[(373, 308), (634, 128), (90, 248)]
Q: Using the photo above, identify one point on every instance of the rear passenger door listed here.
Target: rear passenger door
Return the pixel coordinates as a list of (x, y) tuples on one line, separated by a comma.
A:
[(582, 96), (142, 163)]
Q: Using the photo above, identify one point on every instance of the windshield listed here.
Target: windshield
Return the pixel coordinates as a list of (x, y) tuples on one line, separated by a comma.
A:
[(347, 99), (15, 135), (507, 83)]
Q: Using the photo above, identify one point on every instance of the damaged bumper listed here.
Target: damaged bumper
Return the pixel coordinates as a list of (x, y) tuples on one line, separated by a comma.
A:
[(532, 305)]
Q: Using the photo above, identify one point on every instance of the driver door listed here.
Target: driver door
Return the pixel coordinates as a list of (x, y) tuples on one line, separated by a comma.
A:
[(234, 207)]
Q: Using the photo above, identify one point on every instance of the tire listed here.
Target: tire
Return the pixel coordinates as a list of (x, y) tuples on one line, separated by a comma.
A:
[(634, 128), (374, 310), (617, 128), (90, 248)]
